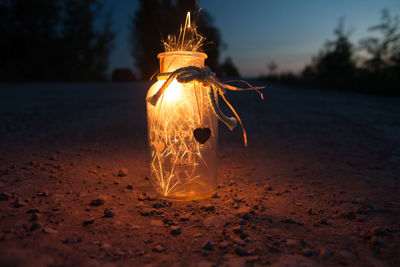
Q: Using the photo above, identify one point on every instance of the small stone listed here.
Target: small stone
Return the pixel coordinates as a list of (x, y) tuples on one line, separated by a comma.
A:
[(42, 194), (122, 172), (215, 195), (239, 241), (212, 221), (139, 253), (18, 203), (105, 246), (246, 216), (324, 254), (108, 213), (344, 256), (129, 187), (48, 230), (72, 240), (151, 197), (292, 243), (307, 252), (360, 218), (33, 211), (97, 202), (241, 251), (120, 252), (244, 235), (184, 218), (156, 223), (359, 200), (289, 221), (363, 234), (168, 221), (34, 217), (295, 260), (351, 215), (158, 248), (267, 188), (378, 242), (283, 191), (176, 230), (376, 230), (147, 211), (209, 208), (387, 228), (360, 211), (224, 245), (204, 263), (158, 205), (352, 163), (142, 197), (5, 196), (238, 229), (87, 222), (35, 226), (93, 171), (324, 222), (208, 246)]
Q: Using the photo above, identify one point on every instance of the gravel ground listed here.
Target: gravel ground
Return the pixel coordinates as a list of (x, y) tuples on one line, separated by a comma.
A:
[(318, 184)]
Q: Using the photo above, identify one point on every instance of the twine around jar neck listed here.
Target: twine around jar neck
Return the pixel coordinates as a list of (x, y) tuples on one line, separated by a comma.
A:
[(205, 76)]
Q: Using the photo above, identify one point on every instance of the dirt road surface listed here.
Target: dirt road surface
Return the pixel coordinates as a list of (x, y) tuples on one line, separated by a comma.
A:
[(318, 184)]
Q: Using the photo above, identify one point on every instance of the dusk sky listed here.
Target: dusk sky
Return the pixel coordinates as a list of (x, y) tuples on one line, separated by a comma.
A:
[(289, 32)]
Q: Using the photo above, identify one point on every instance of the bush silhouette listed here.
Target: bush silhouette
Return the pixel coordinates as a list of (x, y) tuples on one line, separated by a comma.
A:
[(53, 40)]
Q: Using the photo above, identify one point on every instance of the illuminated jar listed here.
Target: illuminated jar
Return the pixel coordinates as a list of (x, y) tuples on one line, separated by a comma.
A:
[(181, 166)]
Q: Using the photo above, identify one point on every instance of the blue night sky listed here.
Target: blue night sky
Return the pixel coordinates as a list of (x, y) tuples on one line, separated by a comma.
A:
[(258, 31)]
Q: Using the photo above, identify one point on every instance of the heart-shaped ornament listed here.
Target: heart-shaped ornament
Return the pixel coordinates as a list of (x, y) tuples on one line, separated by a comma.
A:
[(202, 134), (159, 146)]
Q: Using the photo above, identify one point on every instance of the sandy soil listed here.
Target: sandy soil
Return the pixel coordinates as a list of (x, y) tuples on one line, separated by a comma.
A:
[(317, 186)]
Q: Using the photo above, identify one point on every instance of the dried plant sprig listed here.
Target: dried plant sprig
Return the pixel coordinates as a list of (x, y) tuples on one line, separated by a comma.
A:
[(189, 39)]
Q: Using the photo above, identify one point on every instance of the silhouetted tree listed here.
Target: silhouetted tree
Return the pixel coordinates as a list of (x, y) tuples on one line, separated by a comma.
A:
[(395, 58), (122, 75), (145, 37), (53, 40), (28, 31), (334, 65), (382, 68), (228, 69), (155, 19), (214, 43), (86, 49), (272, 67), (384, 51)]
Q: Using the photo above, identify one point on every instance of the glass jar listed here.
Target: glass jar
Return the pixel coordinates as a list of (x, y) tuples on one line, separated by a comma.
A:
[(181, 166)]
